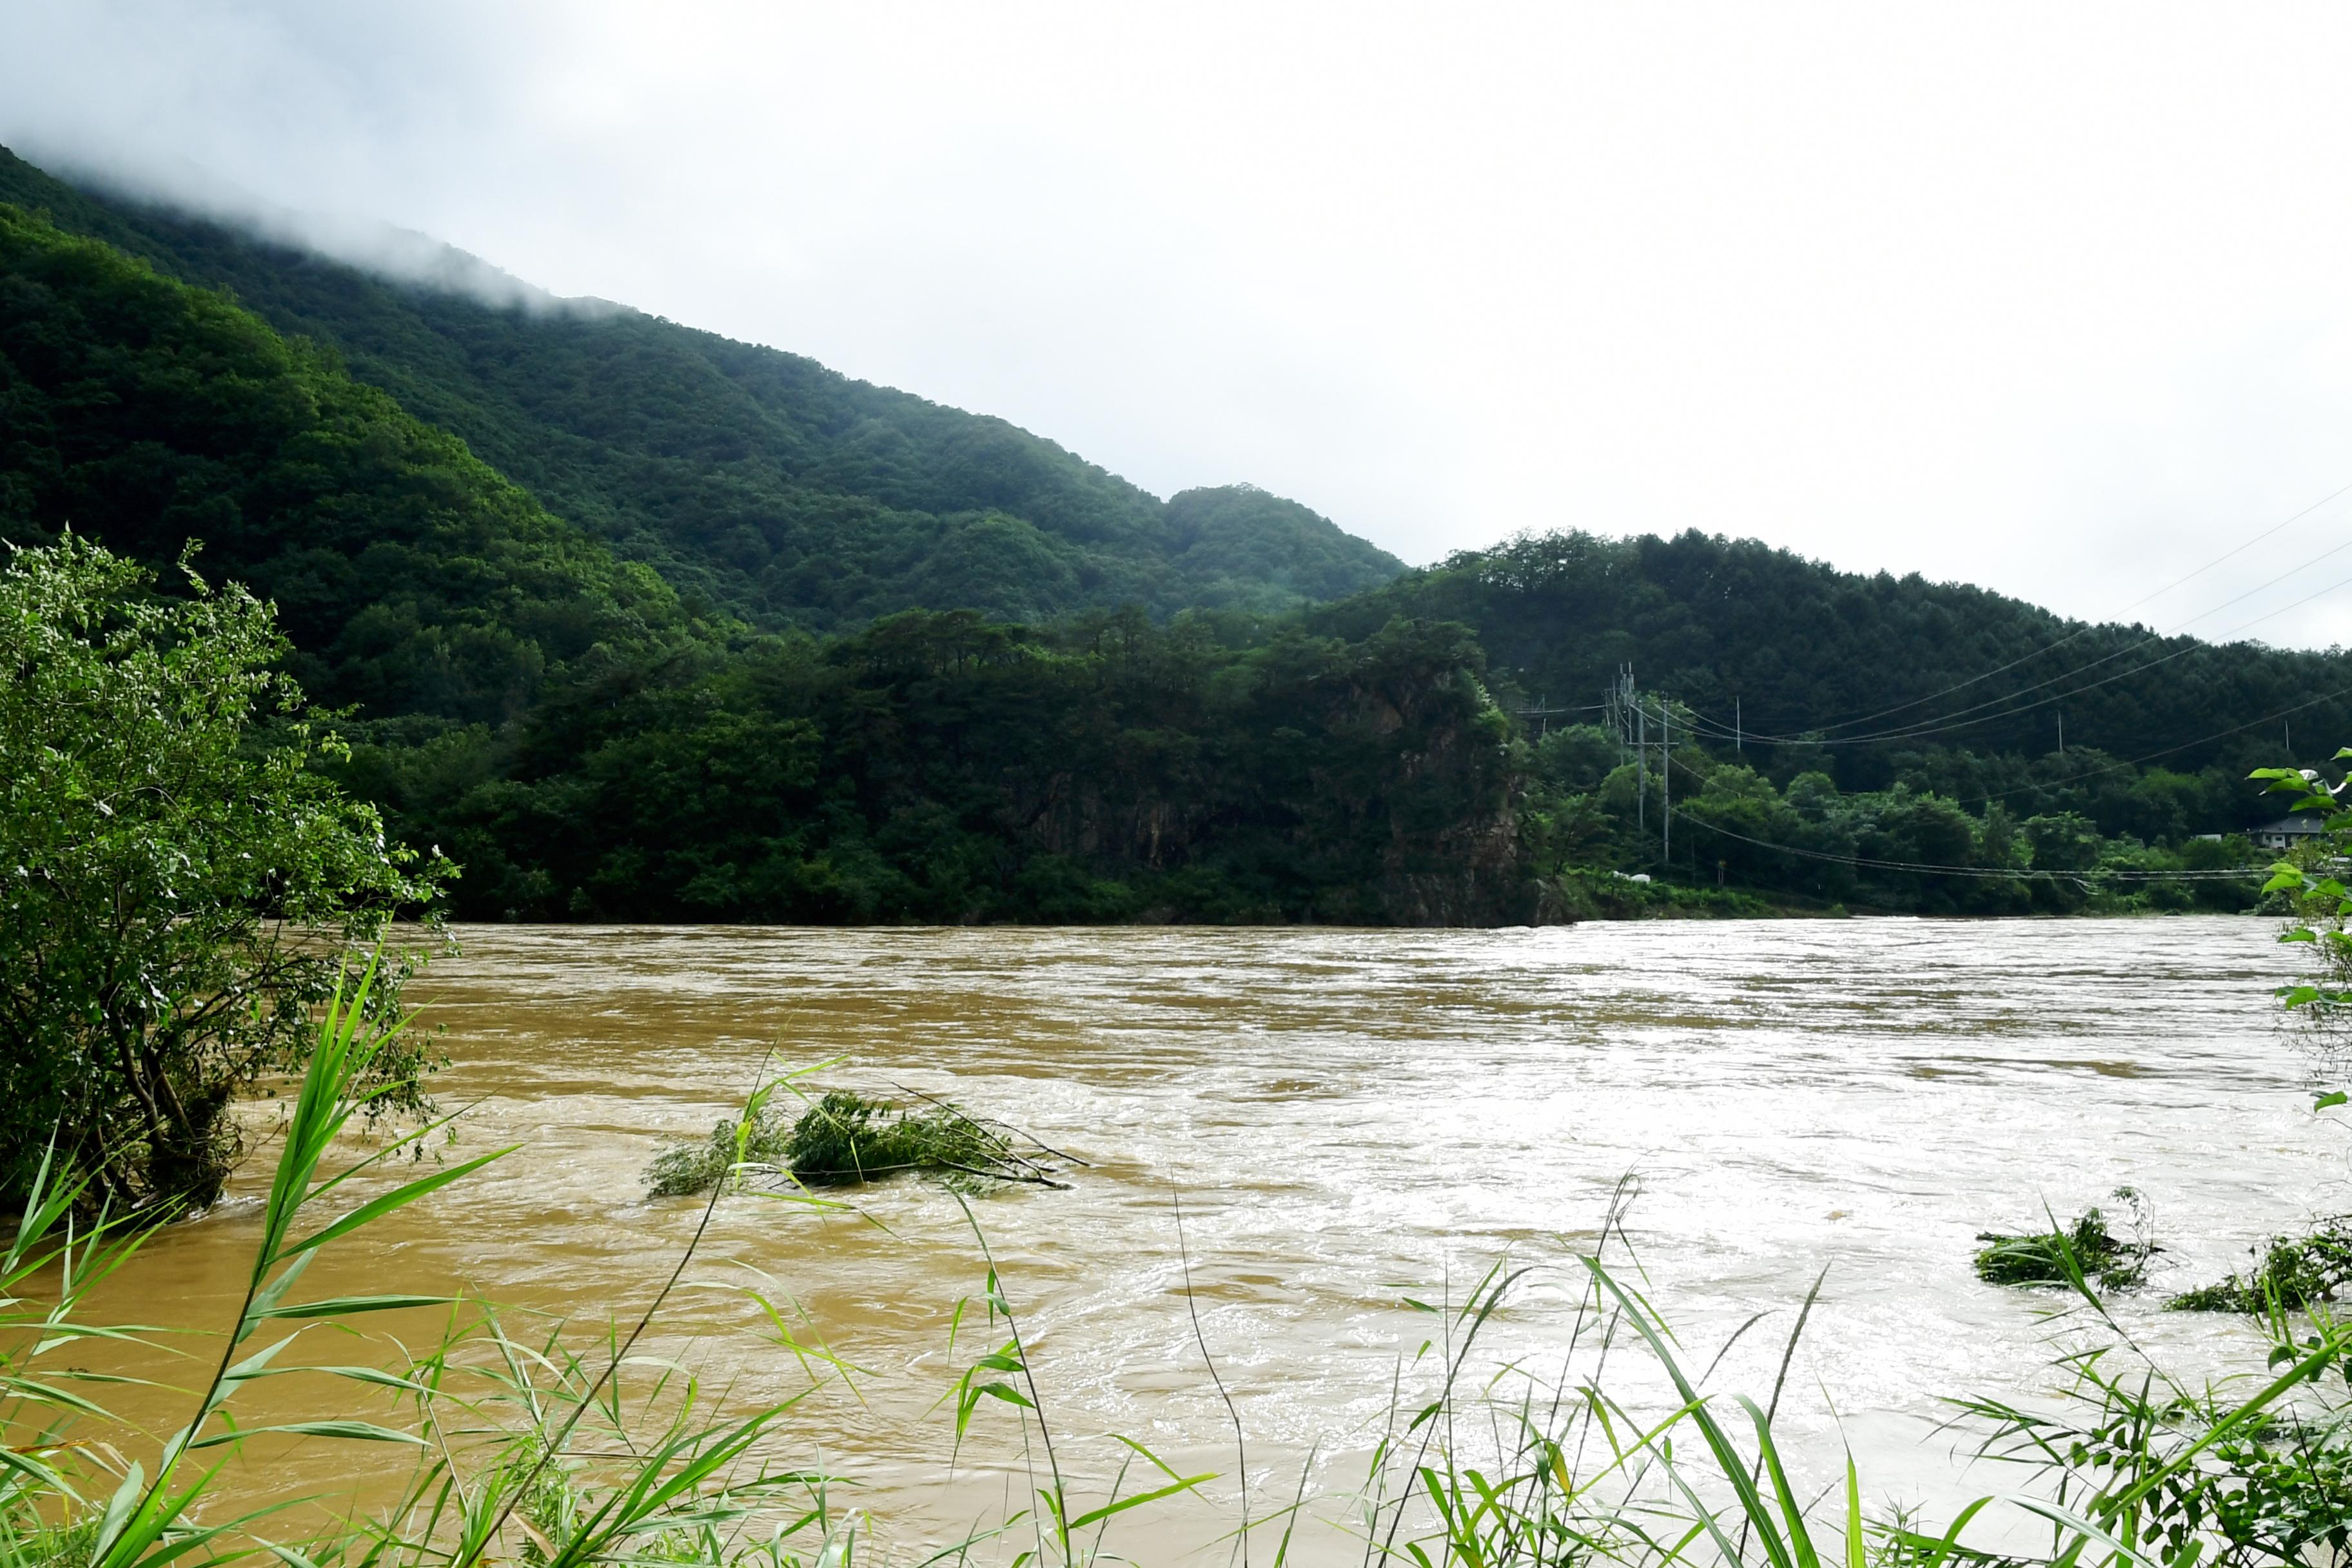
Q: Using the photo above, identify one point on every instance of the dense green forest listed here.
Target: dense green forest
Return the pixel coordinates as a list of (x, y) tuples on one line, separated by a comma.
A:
[(758, 483), (941, 767), (411, 578), (1831, 731), (599, 721), (1871, 679), (587, 747)]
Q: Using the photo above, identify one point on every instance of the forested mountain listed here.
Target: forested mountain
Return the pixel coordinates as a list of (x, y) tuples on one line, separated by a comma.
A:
[(589, 749), (1861, 675), (692, 734), (412, 577), (759, 481), (1885, 741)]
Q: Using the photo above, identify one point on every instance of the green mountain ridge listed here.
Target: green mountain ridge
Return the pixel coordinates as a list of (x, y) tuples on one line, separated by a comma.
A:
[(411, 576), (1892, 676), (600, 714), (757, 482), (589, 746)]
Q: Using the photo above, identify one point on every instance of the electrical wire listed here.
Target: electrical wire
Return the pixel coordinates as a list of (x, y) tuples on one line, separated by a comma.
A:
[(1988, 872), (2086, 629), (2132, 874), (1715, 728), (2274, 718), (2167, 751)]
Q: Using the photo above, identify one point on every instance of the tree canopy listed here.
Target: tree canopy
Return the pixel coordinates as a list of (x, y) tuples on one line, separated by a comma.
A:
[(183, 886)]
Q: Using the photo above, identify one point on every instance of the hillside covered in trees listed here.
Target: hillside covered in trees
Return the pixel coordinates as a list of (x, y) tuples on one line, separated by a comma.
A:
[(1860, 672), (593, 749), (757, 482), (1826, 732), (598, 722)]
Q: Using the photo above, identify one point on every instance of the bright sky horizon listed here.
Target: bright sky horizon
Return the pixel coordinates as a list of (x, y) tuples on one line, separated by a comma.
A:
[(2052, 301)]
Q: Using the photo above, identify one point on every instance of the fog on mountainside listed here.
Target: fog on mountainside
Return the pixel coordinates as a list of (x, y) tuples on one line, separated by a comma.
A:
[(773, 489), (370, 245)]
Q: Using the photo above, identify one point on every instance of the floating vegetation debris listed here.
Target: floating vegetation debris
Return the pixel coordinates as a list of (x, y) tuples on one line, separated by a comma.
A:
[(847, 1137), (2086, 1250), (756, 1141), (2289, 1272)]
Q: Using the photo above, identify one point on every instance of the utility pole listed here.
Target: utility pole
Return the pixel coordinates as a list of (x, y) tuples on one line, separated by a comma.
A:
[(2062, 731), (1739, 729), (1666, 781), (1641, 767)]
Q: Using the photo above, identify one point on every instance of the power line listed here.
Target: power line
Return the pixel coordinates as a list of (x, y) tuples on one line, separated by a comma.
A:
[(2249, 544), (1958, 720), (2273, 717), (2086, 629), (2167, 751), (2136, 874), (1993, 872), (2083, 630)]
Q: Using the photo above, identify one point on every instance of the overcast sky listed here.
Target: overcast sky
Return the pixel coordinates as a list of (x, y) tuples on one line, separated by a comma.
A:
[(2056, 300)]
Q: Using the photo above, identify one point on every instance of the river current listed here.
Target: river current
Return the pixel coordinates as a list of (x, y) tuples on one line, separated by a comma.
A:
[(1350, 1118)]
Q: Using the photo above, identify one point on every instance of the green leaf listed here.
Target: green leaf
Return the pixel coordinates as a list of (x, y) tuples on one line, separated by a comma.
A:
[(355, 1431), (1183, 1484), (338, 1306), (2331, 1100), (1855, 1554), (398, 1198)]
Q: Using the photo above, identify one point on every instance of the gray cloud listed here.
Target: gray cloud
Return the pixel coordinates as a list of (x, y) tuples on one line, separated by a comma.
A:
[(2052, 303)]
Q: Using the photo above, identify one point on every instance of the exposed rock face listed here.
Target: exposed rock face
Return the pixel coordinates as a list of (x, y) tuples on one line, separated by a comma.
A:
[(1396, 809)]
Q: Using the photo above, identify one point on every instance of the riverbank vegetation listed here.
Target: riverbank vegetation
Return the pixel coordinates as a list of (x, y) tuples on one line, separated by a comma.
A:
[(2288, 1273), (179, 899)]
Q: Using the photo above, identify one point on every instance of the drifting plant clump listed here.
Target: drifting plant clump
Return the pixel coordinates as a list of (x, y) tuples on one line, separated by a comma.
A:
[(2085, 1250), (2292, 1272), (682, 1168), (845, 1138)]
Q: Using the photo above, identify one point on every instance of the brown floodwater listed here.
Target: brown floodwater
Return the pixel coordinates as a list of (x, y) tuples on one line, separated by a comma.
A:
[(1349, 1117)]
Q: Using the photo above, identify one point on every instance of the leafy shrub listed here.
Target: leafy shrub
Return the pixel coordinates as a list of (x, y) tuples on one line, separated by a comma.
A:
[(2292, 1271), (185, 887), (2086, 1248), (2188, 1475), (843, 1138), (684, 1168)]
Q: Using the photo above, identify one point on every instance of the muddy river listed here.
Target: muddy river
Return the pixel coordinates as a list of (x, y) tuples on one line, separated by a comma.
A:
[(1349, 1118)]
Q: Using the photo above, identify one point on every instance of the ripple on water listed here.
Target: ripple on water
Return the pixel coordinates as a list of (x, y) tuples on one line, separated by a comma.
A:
[(1351, 1115)]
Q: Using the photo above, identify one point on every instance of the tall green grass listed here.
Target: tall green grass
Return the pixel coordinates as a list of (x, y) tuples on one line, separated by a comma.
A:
[(1617, 1448)]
